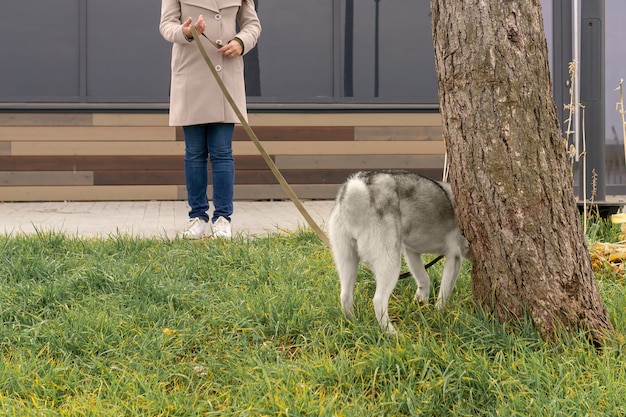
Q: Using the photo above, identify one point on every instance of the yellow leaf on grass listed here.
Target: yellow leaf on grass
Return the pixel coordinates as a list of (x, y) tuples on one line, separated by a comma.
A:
[(169, 332), (617, 257), (619, 218)]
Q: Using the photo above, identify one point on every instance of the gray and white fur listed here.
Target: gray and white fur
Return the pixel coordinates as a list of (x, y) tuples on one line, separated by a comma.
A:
[(380, 215)]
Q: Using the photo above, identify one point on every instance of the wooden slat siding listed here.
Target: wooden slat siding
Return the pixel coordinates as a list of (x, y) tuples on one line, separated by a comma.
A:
[(290, 133), (153, 177), (45, 119), (255, 119), (138, 156), (398, 133), (90, 193), (170, 177), (287, 133), (284, 119), (348, 148), (335, 176), (275, 192), (22, 178), (5, 149), (293, 176), (160, 192), (86, 133), (130, 119), (344, 119), (239, 148), (97, 148), (140, 177), (107, 163), (359, 162)]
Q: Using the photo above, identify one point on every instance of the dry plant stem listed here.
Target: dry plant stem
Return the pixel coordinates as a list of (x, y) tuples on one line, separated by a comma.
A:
[(594, 188), (573, 151), (571, 107)]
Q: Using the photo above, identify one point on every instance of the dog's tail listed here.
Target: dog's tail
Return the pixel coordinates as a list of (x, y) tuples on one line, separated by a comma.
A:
[(355, 199)]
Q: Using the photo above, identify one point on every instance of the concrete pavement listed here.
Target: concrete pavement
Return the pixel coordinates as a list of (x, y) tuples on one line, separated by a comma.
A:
[(150, 218), (157, 218)]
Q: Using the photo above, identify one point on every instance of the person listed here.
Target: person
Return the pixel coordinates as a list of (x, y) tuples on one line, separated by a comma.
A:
[(231, 28)]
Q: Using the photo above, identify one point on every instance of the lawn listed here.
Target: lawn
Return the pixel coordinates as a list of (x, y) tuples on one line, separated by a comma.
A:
[(126, 326)]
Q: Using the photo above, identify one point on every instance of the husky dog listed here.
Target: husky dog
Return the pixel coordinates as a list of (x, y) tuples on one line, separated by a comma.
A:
[(377, 216)]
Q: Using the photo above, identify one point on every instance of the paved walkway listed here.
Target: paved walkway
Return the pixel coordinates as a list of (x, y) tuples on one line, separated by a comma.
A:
[(150, 218), (155, 218)]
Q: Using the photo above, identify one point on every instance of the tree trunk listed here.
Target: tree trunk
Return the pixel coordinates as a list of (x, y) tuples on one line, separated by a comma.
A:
[(508, 167)]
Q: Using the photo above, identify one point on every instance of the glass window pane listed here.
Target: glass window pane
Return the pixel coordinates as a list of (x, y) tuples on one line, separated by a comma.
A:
[(40, 51), (346, 51), (393, 51), (296, 48), (126, 61)]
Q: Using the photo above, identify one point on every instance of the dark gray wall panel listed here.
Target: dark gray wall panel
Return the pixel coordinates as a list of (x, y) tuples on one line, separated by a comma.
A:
[(406, 62), (39, 45), (127, 58), (296, 48)]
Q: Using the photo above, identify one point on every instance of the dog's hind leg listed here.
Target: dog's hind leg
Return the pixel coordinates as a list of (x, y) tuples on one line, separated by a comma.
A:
[(451, 271), (386, 280), (422, 280), (347, 262), (385, 265)]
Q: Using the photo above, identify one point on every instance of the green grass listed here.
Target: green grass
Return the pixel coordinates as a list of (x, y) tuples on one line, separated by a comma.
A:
[(157, 327)]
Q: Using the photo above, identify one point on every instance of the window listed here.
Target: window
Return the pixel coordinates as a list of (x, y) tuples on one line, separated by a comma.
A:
[(365, 51)]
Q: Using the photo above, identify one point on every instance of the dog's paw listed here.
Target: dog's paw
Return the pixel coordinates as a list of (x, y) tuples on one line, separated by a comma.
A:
[(388, 328), (421, 296), (391, 333)]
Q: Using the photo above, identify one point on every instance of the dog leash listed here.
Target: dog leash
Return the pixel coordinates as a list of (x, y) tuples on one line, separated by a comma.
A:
[(292, 195), (428, 265)]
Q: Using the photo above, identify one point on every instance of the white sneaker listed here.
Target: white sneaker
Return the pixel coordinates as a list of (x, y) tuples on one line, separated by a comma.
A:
[(196, 229), (221, 228)]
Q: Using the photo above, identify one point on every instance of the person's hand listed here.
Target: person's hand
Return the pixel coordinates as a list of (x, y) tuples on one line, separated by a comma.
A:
[(232, 49), (200, 26)]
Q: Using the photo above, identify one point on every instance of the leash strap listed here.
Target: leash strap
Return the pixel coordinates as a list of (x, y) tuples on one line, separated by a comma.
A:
[(292, 195), (428, 265)]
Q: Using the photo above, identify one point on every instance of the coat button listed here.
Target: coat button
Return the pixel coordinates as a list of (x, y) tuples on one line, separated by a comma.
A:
[(218, 68), (219, 42), (218, 17)]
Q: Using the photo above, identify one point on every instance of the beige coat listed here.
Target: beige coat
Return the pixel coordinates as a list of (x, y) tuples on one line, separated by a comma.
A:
[(195, 96)]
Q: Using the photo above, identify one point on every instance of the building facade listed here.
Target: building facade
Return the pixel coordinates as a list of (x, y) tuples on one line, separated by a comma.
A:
[(333, 86)]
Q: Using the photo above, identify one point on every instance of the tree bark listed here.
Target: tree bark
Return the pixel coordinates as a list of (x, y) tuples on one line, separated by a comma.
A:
[(508, 167)]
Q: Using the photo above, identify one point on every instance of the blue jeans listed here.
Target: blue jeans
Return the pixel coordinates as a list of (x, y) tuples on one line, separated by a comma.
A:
[(214, 141)]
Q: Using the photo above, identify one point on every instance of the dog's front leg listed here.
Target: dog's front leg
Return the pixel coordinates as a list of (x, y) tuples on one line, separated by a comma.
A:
[(451, 271), (422, 280), (347, 296)]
